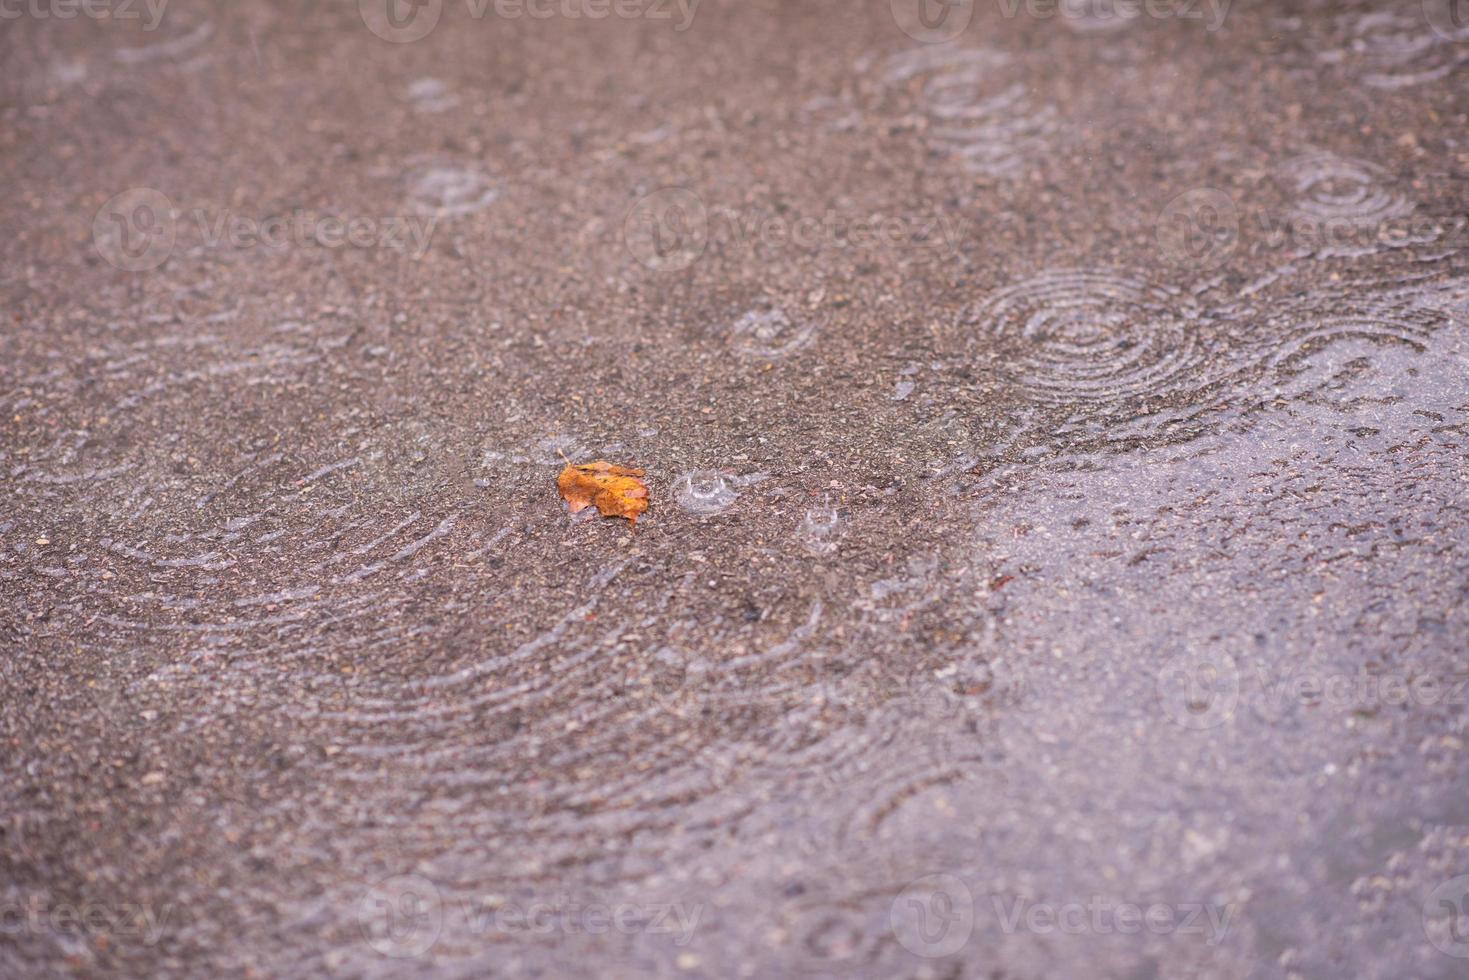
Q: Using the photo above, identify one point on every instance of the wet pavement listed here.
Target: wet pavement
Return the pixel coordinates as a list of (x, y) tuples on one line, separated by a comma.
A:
[(1056, 426)]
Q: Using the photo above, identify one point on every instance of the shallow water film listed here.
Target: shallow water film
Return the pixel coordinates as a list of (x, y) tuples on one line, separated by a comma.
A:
[(1056, 423)]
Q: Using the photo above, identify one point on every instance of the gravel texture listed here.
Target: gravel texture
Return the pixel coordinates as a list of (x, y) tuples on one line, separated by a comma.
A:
[(1055, 423)]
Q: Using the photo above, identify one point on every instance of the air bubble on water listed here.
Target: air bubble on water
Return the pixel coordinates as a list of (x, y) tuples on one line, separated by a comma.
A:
[(821, 528), (705, 492)]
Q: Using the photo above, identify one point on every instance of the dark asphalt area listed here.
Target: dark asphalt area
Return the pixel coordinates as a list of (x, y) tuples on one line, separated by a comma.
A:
[(1056, 420)]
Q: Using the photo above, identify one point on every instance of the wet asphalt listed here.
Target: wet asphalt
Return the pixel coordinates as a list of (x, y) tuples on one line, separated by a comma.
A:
[(1055, 424)]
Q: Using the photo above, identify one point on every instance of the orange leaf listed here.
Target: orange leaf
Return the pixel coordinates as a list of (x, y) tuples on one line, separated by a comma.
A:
[(614, 490)]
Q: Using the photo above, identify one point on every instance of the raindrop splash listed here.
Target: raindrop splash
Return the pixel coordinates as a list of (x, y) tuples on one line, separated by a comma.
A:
[(705, 492)]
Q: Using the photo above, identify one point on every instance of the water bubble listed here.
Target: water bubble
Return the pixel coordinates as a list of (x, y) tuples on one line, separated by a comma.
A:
[(820, 529), (770, 333), (704, 492)]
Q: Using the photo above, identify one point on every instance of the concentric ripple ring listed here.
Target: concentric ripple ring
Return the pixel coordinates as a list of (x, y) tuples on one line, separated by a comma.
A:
[(1077, 336)]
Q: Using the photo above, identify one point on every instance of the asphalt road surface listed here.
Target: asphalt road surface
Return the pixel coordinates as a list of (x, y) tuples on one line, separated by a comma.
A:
[(1055, 424)]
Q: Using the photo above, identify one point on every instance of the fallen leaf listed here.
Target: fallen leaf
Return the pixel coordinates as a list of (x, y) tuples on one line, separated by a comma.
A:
[(614, 490)]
